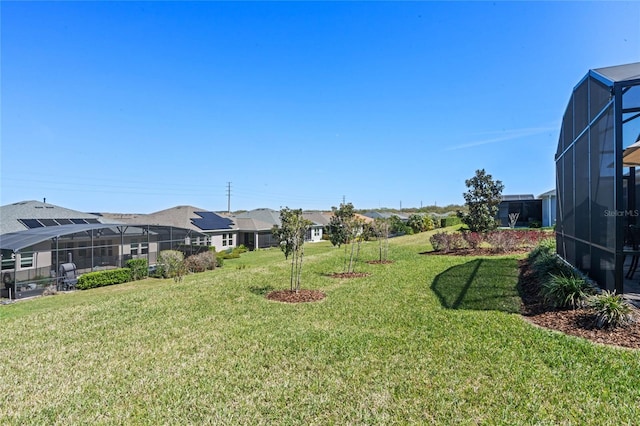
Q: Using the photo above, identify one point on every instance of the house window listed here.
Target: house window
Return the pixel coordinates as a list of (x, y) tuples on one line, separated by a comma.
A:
[(134, 247), (227, 240), (26, 259), (8, 259), (316, 232), (144, 248)]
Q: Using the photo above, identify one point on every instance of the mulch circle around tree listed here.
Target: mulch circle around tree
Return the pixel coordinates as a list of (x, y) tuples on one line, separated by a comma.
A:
[(574, 322), (301, 296), (379, 262)]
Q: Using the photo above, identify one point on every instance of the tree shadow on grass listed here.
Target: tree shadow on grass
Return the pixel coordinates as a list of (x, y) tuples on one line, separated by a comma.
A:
[(261, 291), (484, 284)]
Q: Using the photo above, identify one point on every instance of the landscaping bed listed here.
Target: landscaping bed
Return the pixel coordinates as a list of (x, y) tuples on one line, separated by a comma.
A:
[(575, 322)]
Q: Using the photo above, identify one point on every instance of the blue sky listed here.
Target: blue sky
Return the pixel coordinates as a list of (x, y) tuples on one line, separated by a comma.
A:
[(141, 106)]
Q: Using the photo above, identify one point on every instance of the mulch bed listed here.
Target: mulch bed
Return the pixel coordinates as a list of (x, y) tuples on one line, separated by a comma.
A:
[(300, 296), (475, 252), (574, 322), (578, 322)]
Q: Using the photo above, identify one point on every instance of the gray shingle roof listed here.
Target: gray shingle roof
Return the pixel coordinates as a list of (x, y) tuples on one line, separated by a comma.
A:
[(10, 214), (178, 216)]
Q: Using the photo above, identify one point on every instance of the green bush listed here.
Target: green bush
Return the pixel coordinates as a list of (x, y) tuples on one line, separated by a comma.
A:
[(543, 260), (564, 291), (544, 247), (139, 268), (611, 310), (232, 253), (450, 221), (219, 260), (546, 264), (171, 264), (104, 278)]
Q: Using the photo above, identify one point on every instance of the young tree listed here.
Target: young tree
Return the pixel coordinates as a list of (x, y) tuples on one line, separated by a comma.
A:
[(290, 235), (343, 229), (482, 200), (381, 230)]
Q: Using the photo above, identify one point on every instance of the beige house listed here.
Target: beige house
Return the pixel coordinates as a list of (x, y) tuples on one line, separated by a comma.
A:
[(38, 238), (217, 231)]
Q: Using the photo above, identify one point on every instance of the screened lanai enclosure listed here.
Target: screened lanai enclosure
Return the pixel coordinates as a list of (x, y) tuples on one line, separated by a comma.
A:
[(597, 179), (35, 259)]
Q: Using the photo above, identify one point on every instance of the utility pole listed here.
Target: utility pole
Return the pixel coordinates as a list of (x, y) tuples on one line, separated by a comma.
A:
[(229, 197)]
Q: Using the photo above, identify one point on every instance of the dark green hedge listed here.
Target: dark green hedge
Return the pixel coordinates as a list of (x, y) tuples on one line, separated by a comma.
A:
[(104, 278), (449, 221)]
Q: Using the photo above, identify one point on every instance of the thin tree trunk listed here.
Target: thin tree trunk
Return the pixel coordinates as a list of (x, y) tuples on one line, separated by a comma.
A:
[(300, 266), (344, 267), (351, 258), (293, 259)]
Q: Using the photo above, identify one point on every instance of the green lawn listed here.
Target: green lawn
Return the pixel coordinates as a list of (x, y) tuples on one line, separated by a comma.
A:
[(426, 339)]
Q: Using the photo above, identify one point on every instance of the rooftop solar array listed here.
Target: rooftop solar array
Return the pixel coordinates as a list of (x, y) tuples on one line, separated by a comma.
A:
[(39, 223), (209, 221)]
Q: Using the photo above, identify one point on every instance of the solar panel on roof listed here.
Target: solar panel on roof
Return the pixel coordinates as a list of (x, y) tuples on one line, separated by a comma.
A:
[(209, 221), (48, 222), (92, 221), (64, 221), (78, 221), (31, 223)]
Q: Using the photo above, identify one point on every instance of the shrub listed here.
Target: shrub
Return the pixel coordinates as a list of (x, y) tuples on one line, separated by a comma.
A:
[(201, 262), (456, 241), (546, 264), (103, 278), (219, 260), (531, 238), (611, 310), (439, 241), (503, 241), (229, 254), (564, 291), (449, 221), (139, 268), (544, 246), (447, 241), (473, 239), (170, 264)]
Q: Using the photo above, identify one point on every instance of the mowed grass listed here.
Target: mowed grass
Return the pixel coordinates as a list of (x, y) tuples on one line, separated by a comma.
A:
[(426, 339)]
